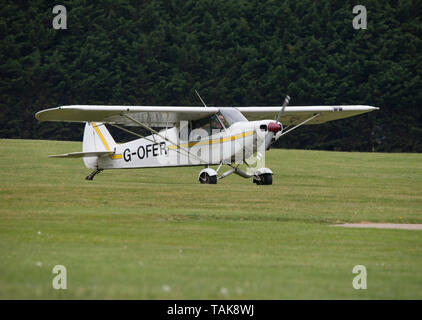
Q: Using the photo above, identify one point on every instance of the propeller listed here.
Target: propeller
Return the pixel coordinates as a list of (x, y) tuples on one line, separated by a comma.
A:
[(276, 127), (285, 103)]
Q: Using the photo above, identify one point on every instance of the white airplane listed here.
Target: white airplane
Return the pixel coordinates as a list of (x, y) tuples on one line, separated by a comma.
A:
[(191, 136)]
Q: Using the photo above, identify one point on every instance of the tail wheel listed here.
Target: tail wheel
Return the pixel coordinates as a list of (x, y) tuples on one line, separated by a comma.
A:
[(264, 179), (206, 178)]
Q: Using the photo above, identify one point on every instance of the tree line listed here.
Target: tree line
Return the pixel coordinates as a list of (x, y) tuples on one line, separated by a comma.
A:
[(235, 53)]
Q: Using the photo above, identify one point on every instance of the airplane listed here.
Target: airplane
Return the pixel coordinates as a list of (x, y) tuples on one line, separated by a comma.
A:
[(191, 136)]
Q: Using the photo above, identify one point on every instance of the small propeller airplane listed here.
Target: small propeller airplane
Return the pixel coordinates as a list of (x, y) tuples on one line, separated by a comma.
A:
[(191, 136)]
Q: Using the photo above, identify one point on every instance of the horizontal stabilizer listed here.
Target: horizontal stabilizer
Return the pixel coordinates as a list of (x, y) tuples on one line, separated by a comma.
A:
[(81, 154)]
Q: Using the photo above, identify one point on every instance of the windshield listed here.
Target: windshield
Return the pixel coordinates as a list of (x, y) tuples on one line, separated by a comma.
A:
[(232, 115)]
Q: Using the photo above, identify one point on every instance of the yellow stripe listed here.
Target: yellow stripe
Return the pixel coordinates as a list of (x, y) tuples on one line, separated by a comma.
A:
[(101, 136), (209, 142), (117, 156)]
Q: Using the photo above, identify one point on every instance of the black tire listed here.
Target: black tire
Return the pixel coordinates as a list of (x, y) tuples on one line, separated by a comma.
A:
[(266, 179), (205, 178)]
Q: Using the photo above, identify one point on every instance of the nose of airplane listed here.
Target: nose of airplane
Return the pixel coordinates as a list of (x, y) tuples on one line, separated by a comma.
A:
[(274, 127)]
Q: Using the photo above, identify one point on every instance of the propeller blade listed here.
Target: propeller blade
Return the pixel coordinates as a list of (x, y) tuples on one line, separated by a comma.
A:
[(285, 103)]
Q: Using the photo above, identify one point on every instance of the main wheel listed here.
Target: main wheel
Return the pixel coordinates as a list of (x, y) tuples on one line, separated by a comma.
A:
[(265, 179), (206, 178)]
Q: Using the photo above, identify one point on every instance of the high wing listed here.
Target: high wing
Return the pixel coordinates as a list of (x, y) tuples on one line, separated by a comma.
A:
[(168, 116), (297, 114), (153, 116)]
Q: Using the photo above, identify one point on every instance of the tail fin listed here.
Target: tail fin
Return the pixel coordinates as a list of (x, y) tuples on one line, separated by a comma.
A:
[(96, 139)]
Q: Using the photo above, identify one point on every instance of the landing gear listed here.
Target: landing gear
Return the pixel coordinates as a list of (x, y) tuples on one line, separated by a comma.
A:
[(92, 175), (208, 176), (263, 176), (263, 179)]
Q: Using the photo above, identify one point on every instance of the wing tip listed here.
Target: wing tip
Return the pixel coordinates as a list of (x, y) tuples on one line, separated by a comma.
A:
[(41, 115)]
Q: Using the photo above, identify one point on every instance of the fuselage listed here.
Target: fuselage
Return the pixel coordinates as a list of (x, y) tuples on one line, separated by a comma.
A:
[(178, 146)]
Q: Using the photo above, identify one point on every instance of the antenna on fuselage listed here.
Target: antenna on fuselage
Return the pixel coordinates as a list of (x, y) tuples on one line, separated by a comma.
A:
[(201, 99)]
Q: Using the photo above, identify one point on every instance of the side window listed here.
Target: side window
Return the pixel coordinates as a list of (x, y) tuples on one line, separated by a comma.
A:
[(223, 120), (199, 129), (205, 127), (216, 124), (201, 124)]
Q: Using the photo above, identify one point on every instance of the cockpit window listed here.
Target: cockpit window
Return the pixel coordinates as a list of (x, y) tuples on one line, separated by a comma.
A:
[(232, 115), (216, 123), (211, 125), (222, 120)]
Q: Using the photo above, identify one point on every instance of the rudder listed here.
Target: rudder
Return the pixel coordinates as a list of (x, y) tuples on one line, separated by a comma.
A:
[(96, 138)]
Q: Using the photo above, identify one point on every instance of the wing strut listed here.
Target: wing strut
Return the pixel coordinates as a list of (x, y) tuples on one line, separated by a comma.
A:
[(302, 123), (296, 126), (165, 138)]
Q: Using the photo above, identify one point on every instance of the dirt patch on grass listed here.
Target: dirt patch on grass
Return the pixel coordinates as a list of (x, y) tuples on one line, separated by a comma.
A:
[(381, 225)]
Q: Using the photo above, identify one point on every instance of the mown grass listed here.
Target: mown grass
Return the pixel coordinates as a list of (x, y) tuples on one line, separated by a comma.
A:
[(159, 234)]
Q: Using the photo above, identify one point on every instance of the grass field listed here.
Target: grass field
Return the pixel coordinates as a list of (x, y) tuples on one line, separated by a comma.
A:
[(159, 234)]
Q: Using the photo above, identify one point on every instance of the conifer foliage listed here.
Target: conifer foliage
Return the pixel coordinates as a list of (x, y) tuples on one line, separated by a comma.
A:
[(243, 52)]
